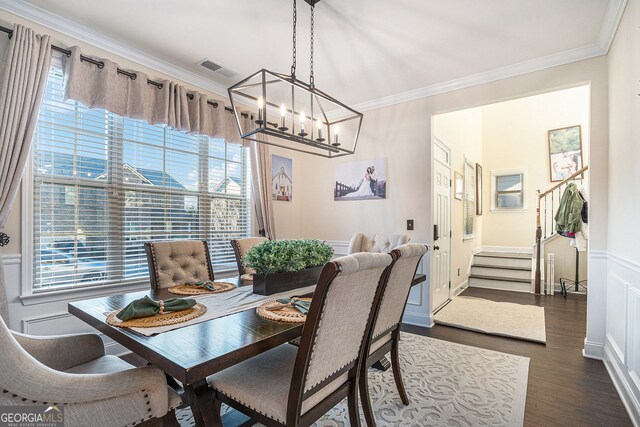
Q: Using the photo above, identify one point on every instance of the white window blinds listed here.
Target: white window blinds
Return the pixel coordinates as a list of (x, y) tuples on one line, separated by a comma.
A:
[(509, 191), (104, 184), (468, 199)]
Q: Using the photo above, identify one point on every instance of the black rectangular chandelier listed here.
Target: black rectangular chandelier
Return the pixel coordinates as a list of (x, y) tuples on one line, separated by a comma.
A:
[(291, 114)]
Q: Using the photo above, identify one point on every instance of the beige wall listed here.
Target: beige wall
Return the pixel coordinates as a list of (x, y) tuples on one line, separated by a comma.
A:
[(461, 131), (402, 134), (512, 136), (624, 151), (515, 137)]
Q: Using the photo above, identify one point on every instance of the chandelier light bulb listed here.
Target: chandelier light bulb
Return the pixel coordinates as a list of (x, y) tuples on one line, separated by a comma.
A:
[(283, 110), (260, 120)]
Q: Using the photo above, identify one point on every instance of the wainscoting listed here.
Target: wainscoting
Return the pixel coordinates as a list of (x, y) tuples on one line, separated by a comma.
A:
[(622, 339), (418, 310), (47, 317)]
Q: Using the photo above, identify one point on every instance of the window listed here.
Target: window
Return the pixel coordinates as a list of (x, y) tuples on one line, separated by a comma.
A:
[(508, 190), (104, 184), (468, 200)]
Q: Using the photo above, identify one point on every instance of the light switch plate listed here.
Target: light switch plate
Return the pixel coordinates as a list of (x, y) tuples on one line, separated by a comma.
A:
[(409, 225)]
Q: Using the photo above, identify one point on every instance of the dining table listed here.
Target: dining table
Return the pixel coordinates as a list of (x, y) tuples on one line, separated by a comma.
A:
[(191, 353)]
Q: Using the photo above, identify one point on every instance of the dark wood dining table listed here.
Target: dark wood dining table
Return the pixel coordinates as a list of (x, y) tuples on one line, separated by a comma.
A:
[(191, 353)]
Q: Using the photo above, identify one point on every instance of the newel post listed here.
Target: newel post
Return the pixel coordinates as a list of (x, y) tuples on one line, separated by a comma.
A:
[(538, 240)]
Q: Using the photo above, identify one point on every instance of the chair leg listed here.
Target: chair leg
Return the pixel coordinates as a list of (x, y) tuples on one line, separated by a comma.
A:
[(352, 403), (397, 373), (365, 399), (217, 405)]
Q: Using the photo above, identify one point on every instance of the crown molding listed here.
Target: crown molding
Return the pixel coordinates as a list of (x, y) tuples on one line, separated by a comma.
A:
[(525, 67), (77, 31), (65, 26), (610, 23)]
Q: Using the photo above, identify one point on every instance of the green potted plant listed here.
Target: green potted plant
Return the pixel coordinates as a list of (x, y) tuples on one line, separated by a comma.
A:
[(283, 265)]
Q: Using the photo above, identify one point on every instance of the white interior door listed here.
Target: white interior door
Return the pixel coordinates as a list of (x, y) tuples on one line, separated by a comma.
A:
[(441, 233)]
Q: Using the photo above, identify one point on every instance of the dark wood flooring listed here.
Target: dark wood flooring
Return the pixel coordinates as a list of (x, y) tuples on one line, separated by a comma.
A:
[(564, 388)]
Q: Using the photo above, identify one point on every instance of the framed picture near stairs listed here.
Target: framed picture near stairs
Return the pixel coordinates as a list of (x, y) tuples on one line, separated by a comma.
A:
[(565, 152)]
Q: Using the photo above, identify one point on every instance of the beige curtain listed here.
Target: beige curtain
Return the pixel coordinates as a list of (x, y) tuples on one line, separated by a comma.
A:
[(172, 104), (23, 78), (261, 188)]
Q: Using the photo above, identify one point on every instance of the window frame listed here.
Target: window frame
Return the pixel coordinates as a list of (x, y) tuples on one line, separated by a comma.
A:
[(29, 294), (494, 189), (468, 196)]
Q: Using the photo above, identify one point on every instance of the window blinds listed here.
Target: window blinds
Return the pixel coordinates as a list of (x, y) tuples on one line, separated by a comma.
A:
[(509, 191), (469, 199), (104, 184)]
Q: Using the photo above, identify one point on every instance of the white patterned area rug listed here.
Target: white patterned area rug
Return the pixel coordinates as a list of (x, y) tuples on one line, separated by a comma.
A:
[(448, 384), (496, 318)]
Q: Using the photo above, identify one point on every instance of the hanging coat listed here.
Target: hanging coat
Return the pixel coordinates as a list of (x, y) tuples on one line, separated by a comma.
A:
[(569, 215)]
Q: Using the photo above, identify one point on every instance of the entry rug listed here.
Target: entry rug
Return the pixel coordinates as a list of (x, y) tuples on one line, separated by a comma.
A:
[(448, 384), (496, 318)]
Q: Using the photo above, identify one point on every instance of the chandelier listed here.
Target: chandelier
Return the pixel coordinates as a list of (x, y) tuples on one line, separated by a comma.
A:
[(292, 114)]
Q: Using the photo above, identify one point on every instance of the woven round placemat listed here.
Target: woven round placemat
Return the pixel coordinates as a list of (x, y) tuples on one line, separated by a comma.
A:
[(286, 314), (170, 318), (198, 290)]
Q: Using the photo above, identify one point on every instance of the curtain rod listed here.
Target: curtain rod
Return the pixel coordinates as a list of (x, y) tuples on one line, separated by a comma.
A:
[(129, 74)]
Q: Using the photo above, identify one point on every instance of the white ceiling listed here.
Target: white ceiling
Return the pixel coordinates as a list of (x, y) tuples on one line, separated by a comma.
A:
[(365, 49)]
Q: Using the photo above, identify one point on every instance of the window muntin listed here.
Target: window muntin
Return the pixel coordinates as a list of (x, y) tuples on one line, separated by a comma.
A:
[(509, 191), (104, 184)]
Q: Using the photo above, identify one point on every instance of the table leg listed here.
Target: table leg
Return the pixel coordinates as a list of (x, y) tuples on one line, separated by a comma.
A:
[(199, 396)]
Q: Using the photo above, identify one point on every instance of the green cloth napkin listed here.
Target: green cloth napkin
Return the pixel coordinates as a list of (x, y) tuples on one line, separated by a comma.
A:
[(301, 306), (145, 307), (208, 285)]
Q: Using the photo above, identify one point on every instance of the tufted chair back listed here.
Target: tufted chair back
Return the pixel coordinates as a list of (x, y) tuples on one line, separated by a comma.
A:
[(396, 293), (178, 262), (240, 248), (378, 243)]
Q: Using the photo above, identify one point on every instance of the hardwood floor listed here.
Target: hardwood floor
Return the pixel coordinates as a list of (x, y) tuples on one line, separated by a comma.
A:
[(564, 388)]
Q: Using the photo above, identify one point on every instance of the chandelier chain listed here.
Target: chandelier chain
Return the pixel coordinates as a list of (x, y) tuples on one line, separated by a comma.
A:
[(311, 77), (295, 21)]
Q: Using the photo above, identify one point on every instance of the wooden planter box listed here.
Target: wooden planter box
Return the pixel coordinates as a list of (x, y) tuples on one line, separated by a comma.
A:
[(280, 282)]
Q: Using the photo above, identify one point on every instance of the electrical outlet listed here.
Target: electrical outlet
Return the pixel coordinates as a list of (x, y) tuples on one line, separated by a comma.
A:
[(458, 272), (409, 224)]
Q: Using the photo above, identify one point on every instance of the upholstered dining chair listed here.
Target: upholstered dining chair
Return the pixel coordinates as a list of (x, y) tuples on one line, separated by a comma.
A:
[(361, 242), (96, 390), (385, 334), (240, 248), (291, 386), (177, 262)]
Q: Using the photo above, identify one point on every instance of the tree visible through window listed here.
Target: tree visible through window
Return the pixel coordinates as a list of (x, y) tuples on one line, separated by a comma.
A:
[(104, 184)]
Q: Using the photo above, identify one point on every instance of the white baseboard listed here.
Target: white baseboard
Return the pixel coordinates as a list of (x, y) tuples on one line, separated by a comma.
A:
[(424, 320), (458, 289), (623, 387), (593, 350)]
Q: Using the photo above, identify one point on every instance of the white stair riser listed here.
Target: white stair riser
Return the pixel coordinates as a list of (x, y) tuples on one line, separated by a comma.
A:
[(498, 284), (502, 262), (501, 272)]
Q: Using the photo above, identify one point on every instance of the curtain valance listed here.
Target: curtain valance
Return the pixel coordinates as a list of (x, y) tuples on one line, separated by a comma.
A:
[(171, 104)]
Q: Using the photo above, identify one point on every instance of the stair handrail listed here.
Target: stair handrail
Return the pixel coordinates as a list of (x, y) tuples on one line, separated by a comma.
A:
[(539, 196)]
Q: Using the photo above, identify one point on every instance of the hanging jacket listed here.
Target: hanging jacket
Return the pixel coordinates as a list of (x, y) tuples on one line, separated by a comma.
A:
[(569, 215)]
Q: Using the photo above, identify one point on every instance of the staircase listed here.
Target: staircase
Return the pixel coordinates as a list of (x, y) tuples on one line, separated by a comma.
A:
[(508, 271), (546, 204)]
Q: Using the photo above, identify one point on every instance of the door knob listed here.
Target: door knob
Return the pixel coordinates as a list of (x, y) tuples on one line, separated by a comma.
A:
[(436, 247)]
